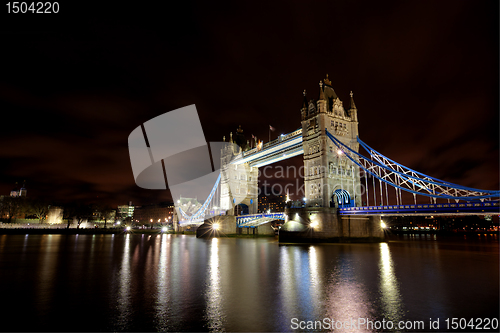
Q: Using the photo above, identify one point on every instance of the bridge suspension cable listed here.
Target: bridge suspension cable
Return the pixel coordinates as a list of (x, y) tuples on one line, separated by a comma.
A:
[(403, 178), (200, 213)]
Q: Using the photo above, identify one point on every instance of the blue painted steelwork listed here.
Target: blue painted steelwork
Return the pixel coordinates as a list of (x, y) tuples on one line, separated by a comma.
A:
[(435, 181), (397, 175), (198, 215), (343, 198), (476, 208), (247, 221)]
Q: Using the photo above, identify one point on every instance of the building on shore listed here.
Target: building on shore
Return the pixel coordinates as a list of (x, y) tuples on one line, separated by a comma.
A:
[(125, 212), (155, 213)]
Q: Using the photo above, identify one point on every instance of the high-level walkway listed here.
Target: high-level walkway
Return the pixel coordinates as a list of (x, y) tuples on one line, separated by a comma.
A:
[(284, 147)]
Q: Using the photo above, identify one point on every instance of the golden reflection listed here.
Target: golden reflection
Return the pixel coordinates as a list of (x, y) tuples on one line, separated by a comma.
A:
[(2, 242), (162, 294), (124, 279), (389, 287), (215, 313), (48, 267), (316, 281)]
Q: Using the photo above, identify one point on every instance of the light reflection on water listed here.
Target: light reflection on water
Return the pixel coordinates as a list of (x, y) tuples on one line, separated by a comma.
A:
[(175, 283), (347, 297), (162, 306), (124, 302), (214, 299), (392, 304)]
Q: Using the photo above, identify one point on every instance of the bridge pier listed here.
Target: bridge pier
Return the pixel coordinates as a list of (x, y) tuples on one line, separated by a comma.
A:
[(264, 229), (225, 225), (324, 225), (217, 226)]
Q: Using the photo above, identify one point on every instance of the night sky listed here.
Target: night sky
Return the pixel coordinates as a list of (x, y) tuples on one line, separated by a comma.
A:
[(74, 85)]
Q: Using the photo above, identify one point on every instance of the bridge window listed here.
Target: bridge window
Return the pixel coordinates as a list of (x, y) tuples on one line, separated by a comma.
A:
[(250, 178), (242, 177)]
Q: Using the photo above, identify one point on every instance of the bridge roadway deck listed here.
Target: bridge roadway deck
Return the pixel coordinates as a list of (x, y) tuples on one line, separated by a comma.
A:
[(254, 220), (282, 148), (476, 208)]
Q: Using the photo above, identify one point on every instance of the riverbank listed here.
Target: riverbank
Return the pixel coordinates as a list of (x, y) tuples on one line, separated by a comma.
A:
[(74, 231), (110, 231)]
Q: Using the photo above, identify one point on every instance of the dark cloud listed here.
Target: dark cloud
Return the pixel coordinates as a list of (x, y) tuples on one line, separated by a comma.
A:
[(73, 86)]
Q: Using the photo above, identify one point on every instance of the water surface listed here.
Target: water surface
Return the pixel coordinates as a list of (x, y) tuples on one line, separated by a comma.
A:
[(139, 282)]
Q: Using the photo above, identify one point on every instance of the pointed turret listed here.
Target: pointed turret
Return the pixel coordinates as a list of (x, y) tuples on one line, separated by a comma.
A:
[(327, 81), (322, 100), (353, 111), (353, 106), (305, 103), (321, 93)]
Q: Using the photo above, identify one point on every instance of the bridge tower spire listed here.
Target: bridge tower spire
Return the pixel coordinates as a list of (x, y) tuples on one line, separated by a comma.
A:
[(305, 104), (330, 178), (353, 111)]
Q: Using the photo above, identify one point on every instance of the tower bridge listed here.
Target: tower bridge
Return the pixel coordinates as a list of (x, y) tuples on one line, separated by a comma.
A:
[(339, 205)]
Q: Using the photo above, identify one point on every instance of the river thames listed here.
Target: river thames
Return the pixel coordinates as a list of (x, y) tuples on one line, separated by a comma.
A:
[(134, 282)]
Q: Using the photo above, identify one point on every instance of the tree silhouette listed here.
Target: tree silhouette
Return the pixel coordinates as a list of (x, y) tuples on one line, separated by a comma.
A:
[(78, 211), (105, 211), (38, 208), (12, 206)]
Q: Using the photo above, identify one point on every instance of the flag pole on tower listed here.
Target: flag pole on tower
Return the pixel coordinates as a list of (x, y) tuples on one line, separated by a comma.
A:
[(270, 129)]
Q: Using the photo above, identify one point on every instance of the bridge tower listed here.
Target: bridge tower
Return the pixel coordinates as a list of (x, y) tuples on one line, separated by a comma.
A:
[(331, 179), (239, 183)]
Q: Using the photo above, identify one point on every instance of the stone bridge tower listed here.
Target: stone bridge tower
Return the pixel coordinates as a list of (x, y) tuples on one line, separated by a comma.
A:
[(331, 179), (239, 183)]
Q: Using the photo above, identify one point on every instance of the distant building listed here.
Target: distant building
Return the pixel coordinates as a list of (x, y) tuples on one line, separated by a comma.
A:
[(125, 212), (155, 213), (10, 207), (273, 203), (110, 216), (19, 192)]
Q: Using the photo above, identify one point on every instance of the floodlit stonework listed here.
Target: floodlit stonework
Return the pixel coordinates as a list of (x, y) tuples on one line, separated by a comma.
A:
[(326, 169)]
